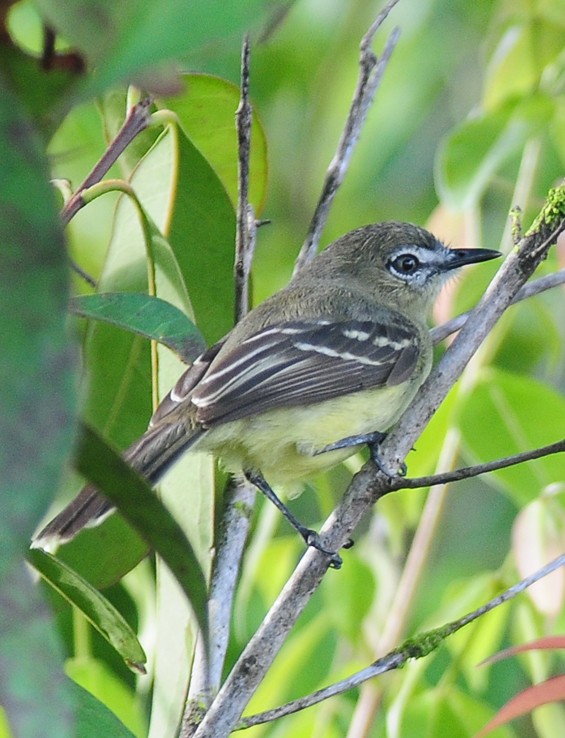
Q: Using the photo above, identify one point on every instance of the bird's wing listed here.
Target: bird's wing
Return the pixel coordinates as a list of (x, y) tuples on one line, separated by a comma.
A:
[(187, 382), (303, 362)]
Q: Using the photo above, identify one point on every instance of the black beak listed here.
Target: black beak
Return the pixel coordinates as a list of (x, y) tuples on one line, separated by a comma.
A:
[(460, 257)]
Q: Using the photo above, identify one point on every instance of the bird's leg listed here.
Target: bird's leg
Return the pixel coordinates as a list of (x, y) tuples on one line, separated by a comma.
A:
[(373, 441), (311, 538)]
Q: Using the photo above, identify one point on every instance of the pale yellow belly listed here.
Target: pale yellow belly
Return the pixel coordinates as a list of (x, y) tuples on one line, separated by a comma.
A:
[(281, 443)]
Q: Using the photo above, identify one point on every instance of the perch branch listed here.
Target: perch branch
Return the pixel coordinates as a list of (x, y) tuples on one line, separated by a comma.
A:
[(371, 70), (467, 472), (441, 332)]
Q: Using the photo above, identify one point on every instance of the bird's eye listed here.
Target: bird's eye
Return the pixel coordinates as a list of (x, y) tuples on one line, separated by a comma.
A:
[(405, 264)]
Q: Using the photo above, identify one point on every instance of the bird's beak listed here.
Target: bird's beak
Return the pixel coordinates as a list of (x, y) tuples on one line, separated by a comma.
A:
[(460, 257)]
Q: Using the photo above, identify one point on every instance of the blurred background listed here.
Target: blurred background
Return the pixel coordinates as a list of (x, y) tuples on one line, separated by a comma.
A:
[(469, 122)]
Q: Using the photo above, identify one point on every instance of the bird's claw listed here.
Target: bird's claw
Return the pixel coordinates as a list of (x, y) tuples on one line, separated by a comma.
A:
[(400, 471), (312, 539)]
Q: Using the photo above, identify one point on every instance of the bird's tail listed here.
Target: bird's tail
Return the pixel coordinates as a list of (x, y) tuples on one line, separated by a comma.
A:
[(151, 455)]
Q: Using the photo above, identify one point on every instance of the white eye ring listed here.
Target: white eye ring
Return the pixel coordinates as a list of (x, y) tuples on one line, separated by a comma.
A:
[(405, 264)]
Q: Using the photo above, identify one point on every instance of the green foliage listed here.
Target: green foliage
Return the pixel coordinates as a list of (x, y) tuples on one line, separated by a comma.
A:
[(100, 613), (133, 496), (37, 398), (148, 316), (474, 93)]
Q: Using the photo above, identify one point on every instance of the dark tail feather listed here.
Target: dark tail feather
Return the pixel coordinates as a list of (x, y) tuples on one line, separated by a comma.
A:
[(151, 455)]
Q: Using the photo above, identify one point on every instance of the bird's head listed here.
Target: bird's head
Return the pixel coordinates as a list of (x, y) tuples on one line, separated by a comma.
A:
[(400, 263)]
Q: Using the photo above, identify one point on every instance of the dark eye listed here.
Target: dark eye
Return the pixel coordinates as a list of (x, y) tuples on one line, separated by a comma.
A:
[(405, 263)]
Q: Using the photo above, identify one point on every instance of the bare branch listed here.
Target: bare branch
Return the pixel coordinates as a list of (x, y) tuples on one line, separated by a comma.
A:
[(371, 71), (137, 120), (441, 332), (414, 648), (236, 522), (246, 225), (207, 669), (474, 471)]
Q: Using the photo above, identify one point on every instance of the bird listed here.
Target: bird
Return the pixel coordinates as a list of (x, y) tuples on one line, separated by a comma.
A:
[(328, 363)]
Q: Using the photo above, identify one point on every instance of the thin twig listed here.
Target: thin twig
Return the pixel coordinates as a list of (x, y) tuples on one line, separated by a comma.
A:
[(208, 668), (467, 472), (136, 121), (246, 226), (81, 273), (414, 648), (371, 70), (441, 332)]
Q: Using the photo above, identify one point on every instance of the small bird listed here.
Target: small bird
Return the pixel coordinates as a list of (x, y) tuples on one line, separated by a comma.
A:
[(324, 365)]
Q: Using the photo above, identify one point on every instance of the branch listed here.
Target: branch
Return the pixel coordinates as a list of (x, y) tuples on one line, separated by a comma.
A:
[(441, 332), (208, 668), (246, 225), (240, 500), (369, 484), (474, 471), (413, 648), (137, 120), (370, 74)]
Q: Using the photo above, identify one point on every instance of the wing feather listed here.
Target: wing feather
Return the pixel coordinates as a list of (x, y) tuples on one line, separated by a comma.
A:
[(302, 362)]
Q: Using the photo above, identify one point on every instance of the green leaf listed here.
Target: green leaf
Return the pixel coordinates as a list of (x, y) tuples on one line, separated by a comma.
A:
[(39, 90), (147, 316), (136, 501), (98, 611), (474, 152), (105, 553), (98, 678), (519, 61), (183, 196), (37, 398), (120, 392), (521, 414), (95, 719), (206, 110), (129, 38)]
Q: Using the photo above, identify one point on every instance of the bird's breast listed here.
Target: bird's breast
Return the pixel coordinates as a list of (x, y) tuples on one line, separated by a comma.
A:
[(301, 431)]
